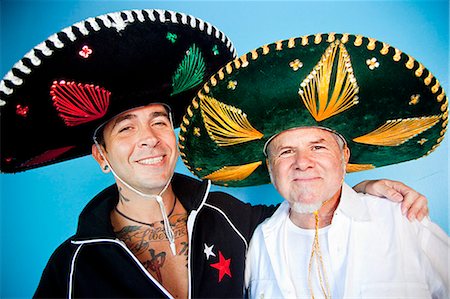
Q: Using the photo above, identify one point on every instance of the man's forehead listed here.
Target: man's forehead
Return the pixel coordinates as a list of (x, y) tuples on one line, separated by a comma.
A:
[(304, 134)]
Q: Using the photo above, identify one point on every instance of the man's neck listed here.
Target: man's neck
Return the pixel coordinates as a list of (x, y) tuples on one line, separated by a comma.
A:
[(145, 209), (325, 213)]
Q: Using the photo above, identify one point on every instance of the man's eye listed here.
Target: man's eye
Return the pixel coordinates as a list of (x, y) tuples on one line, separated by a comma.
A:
[(124, 129), (160, 123), (318, 147), (286, 152)]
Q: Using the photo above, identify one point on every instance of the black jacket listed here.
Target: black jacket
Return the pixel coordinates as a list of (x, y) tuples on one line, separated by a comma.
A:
[(94, 263)]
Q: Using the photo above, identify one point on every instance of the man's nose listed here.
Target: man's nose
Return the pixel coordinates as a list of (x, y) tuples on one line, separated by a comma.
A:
[(147, 138), (303, 161)]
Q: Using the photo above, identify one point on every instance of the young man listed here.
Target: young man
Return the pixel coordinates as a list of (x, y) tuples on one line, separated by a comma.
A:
[(305, 102), (154, 233)]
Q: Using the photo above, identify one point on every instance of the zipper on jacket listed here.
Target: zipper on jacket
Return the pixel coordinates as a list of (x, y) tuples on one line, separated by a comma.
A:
[(190, 226)]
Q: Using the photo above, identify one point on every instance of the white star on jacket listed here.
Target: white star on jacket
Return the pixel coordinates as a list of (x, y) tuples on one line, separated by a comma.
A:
[(208, 251)]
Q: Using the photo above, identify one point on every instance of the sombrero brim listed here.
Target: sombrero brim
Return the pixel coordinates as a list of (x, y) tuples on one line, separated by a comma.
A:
[(53, 99), (387, 105)]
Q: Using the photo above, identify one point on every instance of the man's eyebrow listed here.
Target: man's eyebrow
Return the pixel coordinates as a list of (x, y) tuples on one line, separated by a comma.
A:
[(121, 118), (320, 140), (158, 114)]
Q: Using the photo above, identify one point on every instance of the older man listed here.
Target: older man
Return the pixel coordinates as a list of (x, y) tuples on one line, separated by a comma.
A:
[(119, 78), (307, 102), (327, 241)]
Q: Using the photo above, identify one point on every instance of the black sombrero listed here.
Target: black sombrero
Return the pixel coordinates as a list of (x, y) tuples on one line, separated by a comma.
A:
[(52, 99), (387, 105)]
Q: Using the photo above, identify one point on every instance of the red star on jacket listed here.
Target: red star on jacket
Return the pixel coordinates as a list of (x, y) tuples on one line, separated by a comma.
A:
[(223, 266)]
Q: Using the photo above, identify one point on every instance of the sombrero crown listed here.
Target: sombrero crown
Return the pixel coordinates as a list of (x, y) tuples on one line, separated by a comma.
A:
[(386, 104), (52, 100)]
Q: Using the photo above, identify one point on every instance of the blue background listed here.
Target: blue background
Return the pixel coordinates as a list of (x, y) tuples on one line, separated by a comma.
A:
[(39, 208)]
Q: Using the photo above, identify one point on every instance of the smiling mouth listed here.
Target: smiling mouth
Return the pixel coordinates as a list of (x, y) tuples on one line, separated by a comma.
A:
[(150, 161)]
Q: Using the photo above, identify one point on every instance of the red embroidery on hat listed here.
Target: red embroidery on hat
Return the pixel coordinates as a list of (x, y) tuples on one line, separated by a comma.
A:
[(223, 266), (79, 103), (8, 160), (85, 52), (47, 156), (22, 110)]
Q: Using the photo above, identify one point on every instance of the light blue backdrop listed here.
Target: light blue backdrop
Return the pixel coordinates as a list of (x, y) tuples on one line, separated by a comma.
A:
[(39, 208)]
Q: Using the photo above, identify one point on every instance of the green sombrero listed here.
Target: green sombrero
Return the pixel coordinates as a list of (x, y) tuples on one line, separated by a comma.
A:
[(53, 99), (386, 104)]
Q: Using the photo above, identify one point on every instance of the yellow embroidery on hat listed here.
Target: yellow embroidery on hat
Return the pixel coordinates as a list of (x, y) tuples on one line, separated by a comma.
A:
[(296, 64), (385, 49), (331, 37), (371, 45), (232, 85), (331, 87), (397, 55), (410, 63), (221, 74), (441, 96), (291, 43), (359, 167), (254, 54), (372, 63), (233, 173), (197, 132), (358, 40), (435, 88), (318, 38), (237, 64), (244, 61), (398, 131), (228, 68), (304, 40), (195, 103), (419, 70), (279, 45), (266, 49), (415, 98), (226, 125), (427, 80), (422, 141), (344, 38)]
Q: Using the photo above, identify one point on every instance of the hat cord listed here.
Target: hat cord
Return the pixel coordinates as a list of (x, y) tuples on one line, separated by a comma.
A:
[(158, 198), (317, 255)]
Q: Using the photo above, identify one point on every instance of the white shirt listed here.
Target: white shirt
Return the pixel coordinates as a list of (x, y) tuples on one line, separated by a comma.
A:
[(385, 255), (298, 241)]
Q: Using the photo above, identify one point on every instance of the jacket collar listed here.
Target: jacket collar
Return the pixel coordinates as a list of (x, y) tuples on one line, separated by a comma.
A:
[(94, 221)]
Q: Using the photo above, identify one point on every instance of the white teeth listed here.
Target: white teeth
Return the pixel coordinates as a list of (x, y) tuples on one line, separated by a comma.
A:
[(151, 160)]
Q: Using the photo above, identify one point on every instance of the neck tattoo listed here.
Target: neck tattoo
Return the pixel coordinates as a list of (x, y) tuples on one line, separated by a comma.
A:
[(145, 223)]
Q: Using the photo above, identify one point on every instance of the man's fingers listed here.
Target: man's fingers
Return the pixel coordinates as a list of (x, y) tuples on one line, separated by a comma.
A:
[(416, 206)]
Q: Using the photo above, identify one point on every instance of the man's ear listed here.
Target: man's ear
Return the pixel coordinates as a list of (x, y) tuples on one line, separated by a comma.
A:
[(99, 158), (346, 154)]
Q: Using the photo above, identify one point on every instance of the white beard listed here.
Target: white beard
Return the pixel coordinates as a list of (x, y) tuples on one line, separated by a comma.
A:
[(305, 208)]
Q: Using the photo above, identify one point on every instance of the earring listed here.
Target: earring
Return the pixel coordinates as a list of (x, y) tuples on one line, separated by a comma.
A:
[(105, 167)]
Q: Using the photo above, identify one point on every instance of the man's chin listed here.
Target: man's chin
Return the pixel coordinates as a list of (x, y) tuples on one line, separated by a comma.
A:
[(303, 208)]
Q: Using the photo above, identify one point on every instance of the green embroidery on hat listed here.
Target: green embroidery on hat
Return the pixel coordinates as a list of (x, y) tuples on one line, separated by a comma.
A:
[(190, 72), (172, 37), (215, 50)]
